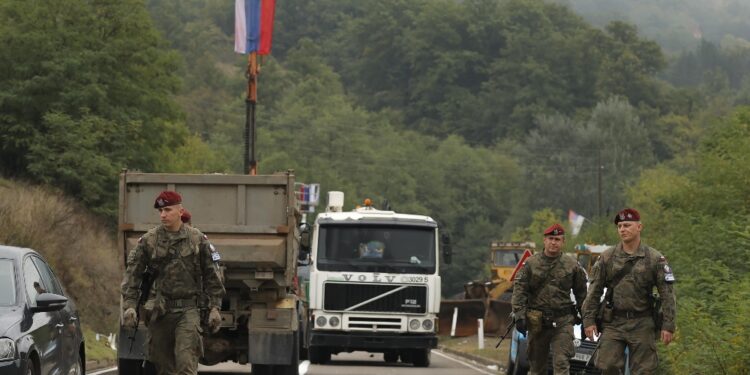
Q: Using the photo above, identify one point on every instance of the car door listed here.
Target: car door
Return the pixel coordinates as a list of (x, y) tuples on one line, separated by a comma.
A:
[(45, 327), (68, 316)]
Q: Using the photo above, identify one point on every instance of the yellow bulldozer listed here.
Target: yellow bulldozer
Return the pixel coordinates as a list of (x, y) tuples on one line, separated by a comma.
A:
[(488, 300), (587, 254)]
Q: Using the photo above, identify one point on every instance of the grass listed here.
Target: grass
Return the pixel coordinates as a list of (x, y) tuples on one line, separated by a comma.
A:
[(97, 350), (470, 345)]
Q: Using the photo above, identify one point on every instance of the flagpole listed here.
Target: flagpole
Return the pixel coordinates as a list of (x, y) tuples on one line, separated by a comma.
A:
[(253, 69)]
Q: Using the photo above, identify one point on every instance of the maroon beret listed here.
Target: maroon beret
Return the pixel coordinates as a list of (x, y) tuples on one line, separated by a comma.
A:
[(185, 217), (628, 214), (167, 198), (554, 230)]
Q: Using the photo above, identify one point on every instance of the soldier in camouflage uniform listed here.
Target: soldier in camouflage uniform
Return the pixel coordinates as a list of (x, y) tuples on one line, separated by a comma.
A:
[(183, 266), (542, 304), (629, 319)]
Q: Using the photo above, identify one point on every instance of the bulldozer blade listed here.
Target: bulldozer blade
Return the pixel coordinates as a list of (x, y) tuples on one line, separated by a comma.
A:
[(469, 311), (497, 317)]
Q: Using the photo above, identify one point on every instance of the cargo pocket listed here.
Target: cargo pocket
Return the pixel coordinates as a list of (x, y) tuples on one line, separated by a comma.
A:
[(198, 340), (534, 321)]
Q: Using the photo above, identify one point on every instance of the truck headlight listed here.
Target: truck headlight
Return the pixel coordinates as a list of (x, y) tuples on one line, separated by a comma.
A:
[(334, 321), (414, 324), (321, 321), (427, 324), (7, 349)]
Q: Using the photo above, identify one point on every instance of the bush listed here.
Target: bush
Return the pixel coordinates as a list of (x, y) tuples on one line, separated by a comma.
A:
[(78, 245)]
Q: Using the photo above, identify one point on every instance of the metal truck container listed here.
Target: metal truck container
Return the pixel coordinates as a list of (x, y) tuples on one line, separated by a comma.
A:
[(252, 222)]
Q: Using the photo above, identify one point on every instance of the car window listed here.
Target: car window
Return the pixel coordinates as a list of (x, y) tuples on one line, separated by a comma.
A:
[(53, 286), (34, 285), (8, 281)]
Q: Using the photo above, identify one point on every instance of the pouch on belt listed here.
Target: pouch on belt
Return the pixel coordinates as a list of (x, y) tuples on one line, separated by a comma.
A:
[(534, 319)]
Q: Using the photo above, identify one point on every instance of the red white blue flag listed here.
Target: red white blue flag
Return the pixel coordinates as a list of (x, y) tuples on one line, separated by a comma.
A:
[(576, 221), (253, 26)]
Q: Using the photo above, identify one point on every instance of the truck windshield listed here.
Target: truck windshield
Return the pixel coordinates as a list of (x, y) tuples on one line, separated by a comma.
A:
[(7, 278), (376, 248)]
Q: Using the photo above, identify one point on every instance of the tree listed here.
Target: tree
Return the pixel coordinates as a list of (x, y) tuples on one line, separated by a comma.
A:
[(87, 89)]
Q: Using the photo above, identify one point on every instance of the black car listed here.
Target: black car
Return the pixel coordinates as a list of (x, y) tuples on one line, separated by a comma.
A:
[(40, 332)]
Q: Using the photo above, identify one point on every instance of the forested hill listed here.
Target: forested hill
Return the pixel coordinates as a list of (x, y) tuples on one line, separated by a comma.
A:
[(493, 116), (678, 25)]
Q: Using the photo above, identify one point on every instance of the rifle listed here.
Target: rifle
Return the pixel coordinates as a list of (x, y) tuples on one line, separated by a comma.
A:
[(147, 280), (510, 328)]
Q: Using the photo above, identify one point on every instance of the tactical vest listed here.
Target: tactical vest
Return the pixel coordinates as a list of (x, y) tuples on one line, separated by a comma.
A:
[(158, 264)]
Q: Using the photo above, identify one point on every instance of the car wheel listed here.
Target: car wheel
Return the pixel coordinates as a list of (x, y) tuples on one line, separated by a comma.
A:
[(510, 365), (30, 368), (77, 368)]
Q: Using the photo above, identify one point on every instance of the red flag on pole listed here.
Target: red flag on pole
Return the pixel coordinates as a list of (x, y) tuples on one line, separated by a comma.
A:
[(525, 255)]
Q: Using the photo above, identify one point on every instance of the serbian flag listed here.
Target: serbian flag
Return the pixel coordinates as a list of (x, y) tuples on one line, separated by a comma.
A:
[(576, 221), (253, 26), (526, 254)]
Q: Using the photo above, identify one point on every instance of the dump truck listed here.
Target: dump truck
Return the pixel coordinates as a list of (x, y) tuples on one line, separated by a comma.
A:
[(374, 283), (488, 300), (252, 221)]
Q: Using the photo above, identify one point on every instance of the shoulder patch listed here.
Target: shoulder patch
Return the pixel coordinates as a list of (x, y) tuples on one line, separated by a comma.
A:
[(140, 239), (668, 274), (205, 237)]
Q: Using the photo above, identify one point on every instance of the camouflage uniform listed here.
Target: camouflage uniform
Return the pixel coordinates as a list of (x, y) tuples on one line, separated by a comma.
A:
[(548, 308), (186, 273), (633, 322)]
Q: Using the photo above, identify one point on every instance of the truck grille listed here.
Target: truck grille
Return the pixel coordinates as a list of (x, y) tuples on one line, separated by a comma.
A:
[(411, 299)]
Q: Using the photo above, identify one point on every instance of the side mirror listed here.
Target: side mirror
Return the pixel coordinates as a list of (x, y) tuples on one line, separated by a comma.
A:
[(445, 243), (46, 302), (304, 242)]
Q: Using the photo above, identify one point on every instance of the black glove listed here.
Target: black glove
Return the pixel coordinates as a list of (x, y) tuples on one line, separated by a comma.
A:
[(521, 326)]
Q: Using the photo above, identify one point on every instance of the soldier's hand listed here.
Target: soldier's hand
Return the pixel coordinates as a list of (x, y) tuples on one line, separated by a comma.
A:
[(214, 320), (666, 337), (591, 332), (521, 326), (128, 317)]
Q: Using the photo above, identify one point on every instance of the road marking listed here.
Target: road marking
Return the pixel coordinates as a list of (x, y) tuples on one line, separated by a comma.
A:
[(303, 367), (100, 372), (483, 371)]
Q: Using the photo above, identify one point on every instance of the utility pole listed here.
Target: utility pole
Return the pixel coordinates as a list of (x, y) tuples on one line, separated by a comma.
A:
[(599, 168)]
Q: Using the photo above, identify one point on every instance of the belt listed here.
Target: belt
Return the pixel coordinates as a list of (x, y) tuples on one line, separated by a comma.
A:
[(180, 303), (565, 311), (629, 314)]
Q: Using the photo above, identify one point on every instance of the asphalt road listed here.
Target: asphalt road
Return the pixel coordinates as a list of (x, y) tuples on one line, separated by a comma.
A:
[(360, 363)]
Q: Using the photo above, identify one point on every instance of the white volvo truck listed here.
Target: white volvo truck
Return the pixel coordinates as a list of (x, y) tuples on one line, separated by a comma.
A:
[(374, 283)]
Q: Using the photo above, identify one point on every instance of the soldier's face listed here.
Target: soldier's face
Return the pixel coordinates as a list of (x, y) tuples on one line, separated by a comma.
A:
[(629, 230), (553, 244), (170, 216)]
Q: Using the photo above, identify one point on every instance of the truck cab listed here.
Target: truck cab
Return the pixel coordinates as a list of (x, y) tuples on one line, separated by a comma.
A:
[(374, 284)]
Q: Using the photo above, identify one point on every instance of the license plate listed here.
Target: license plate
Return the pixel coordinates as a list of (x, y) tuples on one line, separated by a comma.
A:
[(583, 357)]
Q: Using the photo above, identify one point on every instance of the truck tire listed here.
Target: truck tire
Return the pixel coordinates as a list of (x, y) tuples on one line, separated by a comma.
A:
[(390, 357), (133, 366), (261, 369), (421, 357), (319, 355)]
